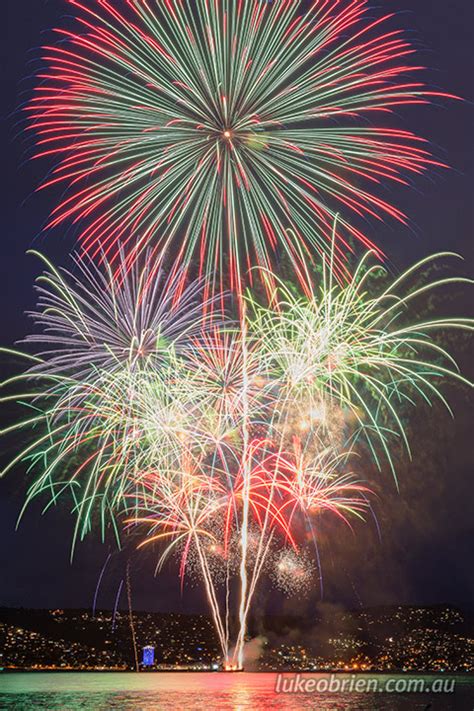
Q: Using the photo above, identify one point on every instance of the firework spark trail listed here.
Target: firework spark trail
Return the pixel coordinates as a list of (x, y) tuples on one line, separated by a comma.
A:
[(130, 613), (341, 495), (207, 131), (212, 597), (117, 600), (180, 511), (245, 496), (94, 604)]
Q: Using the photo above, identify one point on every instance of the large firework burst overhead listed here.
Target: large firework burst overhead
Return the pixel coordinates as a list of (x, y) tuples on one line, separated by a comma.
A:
[(206, 129)]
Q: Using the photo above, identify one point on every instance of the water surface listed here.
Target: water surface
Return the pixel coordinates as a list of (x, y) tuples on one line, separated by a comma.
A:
[(71, 691)]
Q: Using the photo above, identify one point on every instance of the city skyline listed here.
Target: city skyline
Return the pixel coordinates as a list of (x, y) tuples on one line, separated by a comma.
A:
[(408, 639)]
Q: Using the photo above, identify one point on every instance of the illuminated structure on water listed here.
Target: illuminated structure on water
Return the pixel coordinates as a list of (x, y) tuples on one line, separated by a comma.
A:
[(148, 656)]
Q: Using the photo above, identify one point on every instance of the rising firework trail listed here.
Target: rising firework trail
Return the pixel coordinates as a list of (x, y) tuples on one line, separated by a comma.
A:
[(99, 581), (204, 130), (130, 614), (116, 604)]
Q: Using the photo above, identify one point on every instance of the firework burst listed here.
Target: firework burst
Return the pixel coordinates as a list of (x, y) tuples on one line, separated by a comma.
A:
[(107, 318), (107, 383), (348, 355), (206, 130)]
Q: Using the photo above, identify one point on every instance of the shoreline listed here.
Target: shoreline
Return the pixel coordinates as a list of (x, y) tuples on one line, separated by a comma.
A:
[(394, 672)]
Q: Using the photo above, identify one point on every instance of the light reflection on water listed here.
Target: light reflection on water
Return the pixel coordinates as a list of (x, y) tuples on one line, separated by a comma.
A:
[(71, 691)]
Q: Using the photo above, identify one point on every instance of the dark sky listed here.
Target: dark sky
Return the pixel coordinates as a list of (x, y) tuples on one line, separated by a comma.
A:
[(425, 554)]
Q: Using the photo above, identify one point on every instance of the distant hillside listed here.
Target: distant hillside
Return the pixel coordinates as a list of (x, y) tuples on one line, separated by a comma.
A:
[(412, 638)]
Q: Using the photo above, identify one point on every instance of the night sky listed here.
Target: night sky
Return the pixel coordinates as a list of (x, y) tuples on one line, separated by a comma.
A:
[(424, 554)]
